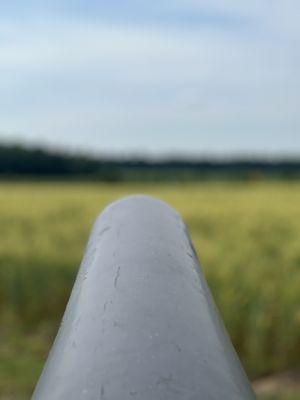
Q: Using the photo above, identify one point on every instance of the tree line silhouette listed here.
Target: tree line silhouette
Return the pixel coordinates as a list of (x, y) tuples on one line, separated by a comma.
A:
[(17, 162)]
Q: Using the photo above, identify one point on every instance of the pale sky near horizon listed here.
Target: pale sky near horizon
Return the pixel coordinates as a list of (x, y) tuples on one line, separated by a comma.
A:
[(178, 76)]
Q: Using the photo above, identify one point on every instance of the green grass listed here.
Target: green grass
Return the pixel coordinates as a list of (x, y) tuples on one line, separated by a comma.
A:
[(247, 237), (280, 397)]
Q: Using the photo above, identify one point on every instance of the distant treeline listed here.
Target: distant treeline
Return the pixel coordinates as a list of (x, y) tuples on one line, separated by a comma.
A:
[(17, 162)]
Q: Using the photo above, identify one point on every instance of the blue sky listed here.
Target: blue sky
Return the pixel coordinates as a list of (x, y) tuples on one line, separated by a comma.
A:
[(185, 77)]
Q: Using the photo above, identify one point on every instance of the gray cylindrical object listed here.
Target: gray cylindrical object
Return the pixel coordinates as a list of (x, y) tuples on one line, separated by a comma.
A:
[(141, 323)]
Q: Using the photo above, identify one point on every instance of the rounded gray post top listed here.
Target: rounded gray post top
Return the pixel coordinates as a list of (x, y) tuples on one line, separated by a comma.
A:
[(141, 323)]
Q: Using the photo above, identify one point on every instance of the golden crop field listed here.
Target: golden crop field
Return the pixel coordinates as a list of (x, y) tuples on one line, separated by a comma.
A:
[(247, 236)]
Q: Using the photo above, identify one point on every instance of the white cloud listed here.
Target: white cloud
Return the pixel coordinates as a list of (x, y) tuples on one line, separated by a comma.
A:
[(131, 87)]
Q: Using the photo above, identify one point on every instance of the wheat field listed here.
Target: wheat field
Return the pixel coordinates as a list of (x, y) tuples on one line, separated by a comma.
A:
[(247, 236)]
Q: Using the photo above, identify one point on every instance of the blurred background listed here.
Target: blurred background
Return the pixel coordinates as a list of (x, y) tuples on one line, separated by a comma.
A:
[(195, 102)]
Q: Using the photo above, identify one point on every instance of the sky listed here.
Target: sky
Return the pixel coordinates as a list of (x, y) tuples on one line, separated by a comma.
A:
[(184, 77)]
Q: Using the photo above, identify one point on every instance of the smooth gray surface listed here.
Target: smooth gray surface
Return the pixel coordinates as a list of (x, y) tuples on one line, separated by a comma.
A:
[(140, 323)]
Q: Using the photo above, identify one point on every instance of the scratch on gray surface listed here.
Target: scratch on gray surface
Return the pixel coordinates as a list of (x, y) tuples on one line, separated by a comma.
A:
[(102, 392), (105, 306), (178, 348), (103, 231), (165, 380), (117, 277)]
